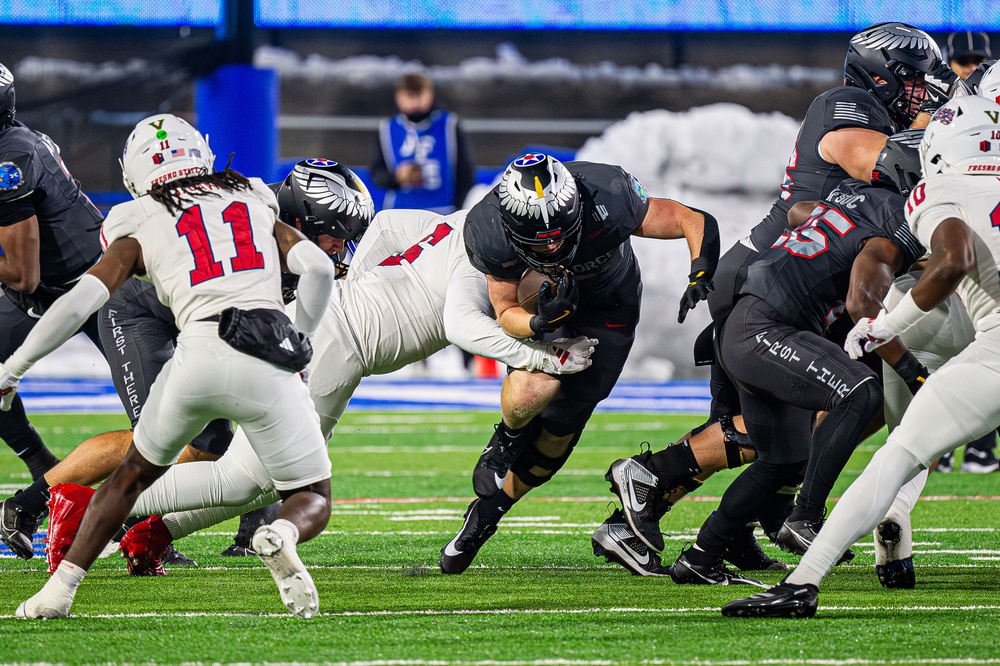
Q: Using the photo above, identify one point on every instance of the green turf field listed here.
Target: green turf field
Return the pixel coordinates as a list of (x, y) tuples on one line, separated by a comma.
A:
[(536, 594)]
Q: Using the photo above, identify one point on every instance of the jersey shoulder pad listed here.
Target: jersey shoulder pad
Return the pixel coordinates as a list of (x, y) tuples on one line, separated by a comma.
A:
[(122, 221), (854, 107), (264, 192)]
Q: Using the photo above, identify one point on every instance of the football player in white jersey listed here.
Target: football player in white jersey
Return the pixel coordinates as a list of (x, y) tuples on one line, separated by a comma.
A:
[(954, 212), (410, 292), (213, 247)]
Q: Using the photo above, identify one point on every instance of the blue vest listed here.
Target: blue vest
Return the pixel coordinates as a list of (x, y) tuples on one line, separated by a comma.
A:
[(433, 145)]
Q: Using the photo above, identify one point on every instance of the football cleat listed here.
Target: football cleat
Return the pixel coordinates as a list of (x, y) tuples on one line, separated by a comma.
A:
[(67, 504), (52, 601), (495, 461), (685, 572), (616, 541), (946, 463), (144, 546), (17, 528), (979, 462), (744, 553), (298, 592), (797, 535), (458, 553), (175, 558), (249, 522), (782, 600), (642, 501), (894, 572)]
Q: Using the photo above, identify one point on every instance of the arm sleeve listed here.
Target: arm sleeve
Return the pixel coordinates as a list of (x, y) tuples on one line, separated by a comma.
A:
[(468, 325), (317, 274), (59, 323)]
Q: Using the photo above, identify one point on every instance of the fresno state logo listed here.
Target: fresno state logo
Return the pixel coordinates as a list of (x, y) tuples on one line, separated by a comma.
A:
[(320, 162), (530, 159), (944, 115)]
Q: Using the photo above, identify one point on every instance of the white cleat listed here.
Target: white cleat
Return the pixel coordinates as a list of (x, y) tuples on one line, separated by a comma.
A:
[(294, 583), (41, 607)]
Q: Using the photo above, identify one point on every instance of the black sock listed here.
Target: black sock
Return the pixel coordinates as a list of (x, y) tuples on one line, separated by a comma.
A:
[(511, 434), (674, 464), (33, 498), (492, 510)]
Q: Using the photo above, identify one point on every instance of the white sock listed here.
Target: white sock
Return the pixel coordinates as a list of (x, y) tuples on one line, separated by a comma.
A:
[(288, 531), (862, 507)]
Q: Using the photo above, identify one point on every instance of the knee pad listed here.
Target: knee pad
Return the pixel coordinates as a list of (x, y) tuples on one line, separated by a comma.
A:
[(533, 467)]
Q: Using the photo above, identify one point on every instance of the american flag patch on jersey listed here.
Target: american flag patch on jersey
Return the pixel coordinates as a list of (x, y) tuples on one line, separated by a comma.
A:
[(850, 111)]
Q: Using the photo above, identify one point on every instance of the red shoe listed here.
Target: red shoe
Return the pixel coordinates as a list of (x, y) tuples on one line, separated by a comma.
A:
[(144, 546), (67, 504)]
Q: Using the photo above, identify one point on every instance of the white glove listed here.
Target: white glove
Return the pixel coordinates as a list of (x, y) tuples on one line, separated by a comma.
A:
[(568, 355), (8, 388), (867, 335)]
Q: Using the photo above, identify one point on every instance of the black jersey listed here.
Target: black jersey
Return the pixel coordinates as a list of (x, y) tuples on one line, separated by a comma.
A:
[(808, 177), (614, 205), (33, 181), (805, 276)]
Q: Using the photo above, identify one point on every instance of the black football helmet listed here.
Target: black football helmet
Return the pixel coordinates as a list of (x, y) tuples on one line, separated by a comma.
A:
[(6, 96), (322, 197), (898, 165), (890, 61), (541, 212)]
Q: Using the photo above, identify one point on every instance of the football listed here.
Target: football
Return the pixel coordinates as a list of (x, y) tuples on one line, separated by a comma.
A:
[(527, 289)]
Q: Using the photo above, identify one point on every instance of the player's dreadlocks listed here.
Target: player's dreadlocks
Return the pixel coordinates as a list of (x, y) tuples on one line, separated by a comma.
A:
[(174, 194)]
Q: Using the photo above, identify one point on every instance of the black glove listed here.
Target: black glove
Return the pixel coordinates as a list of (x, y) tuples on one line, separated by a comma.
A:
[(555, 310), (941, 84), (699, 284), (911, 371)]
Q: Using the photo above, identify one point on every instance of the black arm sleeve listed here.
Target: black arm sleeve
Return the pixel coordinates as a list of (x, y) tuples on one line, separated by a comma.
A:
[(710, 245), (380, 170), (465, 169)]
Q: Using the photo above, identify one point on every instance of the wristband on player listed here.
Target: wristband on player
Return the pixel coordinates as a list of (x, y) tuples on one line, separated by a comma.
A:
[(911, 371), (904, 316)]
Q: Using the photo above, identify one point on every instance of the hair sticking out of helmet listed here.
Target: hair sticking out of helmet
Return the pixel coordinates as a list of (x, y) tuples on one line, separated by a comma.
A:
[(961, 138), (541, 212), (890, 61), (7, 97), (989, 86), (898, 165), (163, 148)]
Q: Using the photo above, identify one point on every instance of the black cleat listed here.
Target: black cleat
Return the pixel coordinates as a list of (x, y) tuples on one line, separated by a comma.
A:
[(744, 553), (897, 572), (797, 535), (250, 522), (17, 528), (782, 600), (175, 558), (616, 541), (685, 572), (495, 461), (458, 553), (235, 550), (642, 501)]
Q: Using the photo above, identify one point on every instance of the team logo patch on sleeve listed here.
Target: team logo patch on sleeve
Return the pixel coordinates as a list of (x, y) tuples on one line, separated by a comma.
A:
[(10, 176), (639, 189)]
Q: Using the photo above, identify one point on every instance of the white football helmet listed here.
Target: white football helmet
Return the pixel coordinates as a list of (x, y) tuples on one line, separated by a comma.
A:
[(163, 148), (962, 137), (989, 85)]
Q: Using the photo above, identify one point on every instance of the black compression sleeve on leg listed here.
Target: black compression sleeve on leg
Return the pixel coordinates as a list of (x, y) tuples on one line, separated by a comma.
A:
[(673, 464), (833, 443)]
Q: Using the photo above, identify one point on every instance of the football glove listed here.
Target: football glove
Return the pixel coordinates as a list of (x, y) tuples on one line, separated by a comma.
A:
[(867, 335), (8, 388), (699, 284), (568, 355), (555, 310), (941, 84), (911, 371)]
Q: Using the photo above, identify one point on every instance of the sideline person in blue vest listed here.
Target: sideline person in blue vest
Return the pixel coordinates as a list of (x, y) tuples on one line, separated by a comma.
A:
[(422, 159)]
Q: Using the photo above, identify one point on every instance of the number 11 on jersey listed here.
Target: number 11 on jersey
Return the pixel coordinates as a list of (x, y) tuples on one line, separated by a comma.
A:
[(191, 226)]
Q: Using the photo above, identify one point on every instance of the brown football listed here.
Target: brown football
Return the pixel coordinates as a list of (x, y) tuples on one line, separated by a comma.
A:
[(527, 289)]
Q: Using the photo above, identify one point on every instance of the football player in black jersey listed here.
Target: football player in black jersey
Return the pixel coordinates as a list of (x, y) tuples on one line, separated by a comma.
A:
[(48, 239), (841, 136), (772, 345), (572, 222)]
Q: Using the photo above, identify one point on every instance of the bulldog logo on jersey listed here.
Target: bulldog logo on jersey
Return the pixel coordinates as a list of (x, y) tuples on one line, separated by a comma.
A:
[(10, 176)]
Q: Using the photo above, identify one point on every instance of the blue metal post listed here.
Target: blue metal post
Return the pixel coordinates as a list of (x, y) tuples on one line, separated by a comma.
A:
[(237, 107)]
